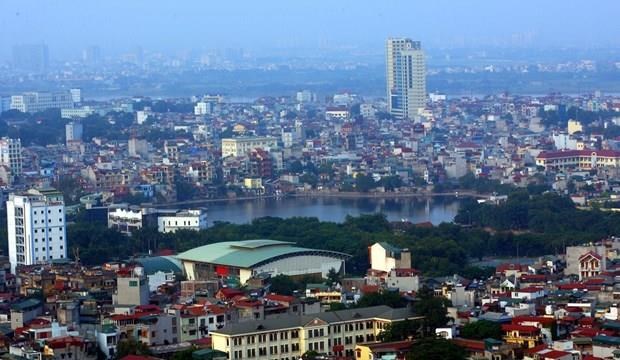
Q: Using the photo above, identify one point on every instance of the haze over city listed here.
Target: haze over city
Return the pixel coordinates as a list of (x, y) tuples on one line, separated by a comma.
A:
[(264, 27), (309, 180)]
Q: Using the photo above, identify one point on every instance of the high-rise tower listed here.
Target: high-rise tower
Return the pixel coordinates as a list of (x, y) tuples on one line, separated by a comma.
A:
[(406, 77)]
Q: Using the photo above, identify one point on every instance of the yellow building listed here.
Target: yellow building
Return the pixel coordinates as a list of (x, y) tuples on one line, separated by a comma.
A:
[(288, 337), (574, 126)]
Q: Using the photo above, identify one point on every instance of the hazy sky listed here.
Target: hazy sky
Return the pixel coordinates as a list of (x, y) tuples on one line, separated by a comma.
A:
[(117, 26)]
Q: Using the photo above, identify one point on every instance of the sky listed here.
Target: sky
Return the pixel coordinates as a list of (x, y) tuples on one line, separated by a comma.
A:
[(118, 26)]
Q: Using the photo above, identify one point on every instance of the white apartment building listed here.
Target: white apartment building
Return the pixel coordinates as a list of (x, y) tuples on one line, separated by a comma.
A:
[(73, 132), (36, 227), (40, 101), (406, 77), (76, 95), (242, 145), (79, 112), (126, 219), (193, 219), (11, 155)]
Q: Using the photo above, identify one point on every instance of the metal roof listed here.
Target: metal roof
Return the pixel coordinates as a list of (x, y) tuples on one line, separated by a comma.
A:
[(164, 264), (288, 321), (249, 253)]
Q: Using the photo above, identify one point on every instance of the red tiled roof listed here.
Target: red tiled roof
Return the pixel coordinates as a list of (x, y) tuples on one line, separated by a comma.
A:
[(280, 298), (539, 319), (62, 342), (572, 153), (554, 354), (530, 289), (520, 328), (471, 345), (535, 349)]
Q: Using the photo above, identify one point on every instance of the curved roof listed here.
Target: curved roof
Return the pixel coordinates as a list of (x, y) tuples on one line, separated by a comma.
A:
[(249, 253), (166, 264)]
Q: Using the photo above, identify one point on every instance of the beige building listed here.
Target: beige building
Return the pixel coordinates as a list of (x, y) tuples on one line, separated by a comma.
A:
[(242, 145), (574, 126), (406, 77), (386, 257), (578, 159), (289, 336)]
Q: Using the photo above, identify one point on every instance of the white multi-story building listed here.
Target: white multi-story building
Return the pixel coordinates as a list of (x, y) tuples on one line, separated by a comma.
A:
[(11, 155), (40, 101), (194, 219), (406, 77), (242, 145), (80, 112), (76, 95), (73, 132), (36, 227)]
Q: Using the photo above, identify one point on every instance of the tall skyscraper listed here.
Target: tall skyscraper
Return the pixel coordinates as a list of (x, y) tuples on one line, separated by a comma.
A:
[(406, 77), (36, 227), (31, 57)]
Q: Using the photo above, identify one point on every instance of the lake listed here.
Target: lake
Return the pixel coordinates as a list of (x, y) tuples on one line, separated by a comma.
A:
[(435, 210)]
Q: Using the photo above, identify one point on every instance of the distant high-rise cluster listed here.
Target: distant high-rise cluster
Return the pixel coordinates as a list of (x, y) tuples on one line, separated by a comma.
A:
[(31, 57), (406, 77)]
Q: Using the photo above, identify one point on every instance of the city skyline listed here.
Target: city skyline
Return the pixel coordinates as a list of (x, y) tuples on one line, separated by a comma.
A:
[(70, 27)]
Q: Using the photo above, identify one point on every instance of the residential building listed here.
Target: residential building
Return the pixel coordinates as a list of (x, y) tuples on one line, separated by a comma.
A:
[(11, 155), (132, 287), (385, 257), (36, 227), (192, 219), (73, 132), (406, 77), (241, 146)]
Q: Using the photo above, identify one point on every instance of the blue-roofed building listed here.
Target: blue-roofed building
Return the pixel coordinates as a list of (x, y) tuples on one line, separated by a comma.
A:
[(244, 259)]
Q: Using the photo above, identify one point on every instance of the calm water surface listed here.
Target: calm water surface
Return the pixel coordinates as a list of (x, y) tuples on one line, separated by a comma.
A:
[(416, 210)]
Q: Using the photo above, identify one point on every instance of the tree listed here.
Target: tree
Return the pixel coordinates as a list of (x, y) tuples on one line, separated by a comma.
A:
[(482, 329), (433, 308), (400, 330), (364, 183), (282, 284), (131, 347), (184, 355), (333, 277), (310, 355), (389, 298), (436, 349)]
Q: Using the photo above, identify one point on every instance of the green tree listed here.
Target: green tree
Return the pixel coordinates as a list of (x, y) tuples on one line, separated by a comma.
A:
[(131, 347), (400, 330), (184, 355), (436, 349), (389, 298), (284, 285), (482, 329), (333, 277), (433, 308), (364, 183)]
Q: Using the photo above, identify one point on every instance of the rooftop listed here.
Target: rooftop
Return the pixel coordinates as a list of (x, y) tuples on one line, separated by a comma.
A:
[(288, 321), (248, 253)]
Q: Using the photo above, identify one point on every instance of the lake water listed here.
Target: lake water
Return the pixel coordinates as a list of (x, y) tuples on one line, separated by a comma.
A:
[(417, 210)]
